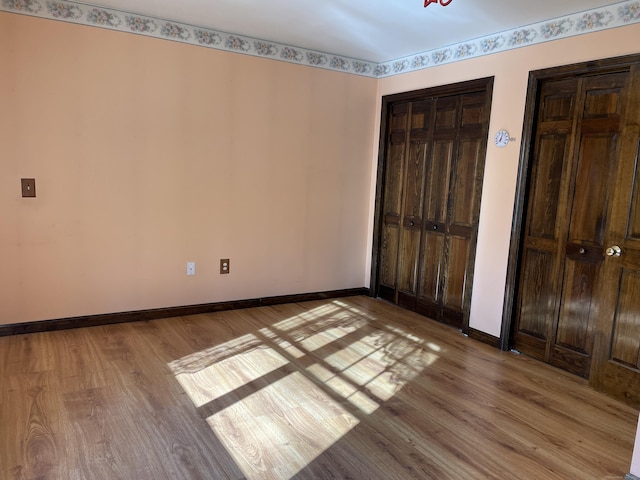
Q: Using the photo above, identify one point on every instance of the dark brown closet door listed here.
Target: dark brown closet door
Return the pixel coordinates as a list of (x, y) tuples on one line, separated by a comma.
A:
[(409, 133), (616, 360), (452, 207), (398, 126), (433, 161), (575, 301), (418, 142), (544, 233)]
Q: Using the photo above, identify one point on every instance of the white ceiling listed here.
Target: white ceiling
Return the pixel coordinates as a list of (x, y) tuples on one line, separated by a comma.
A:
[(372, 30)]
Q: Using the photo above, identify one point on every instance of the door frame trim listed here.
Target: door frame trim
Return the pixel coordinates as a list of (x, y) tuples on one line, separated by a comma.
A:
[(480, 84), (536, 77)]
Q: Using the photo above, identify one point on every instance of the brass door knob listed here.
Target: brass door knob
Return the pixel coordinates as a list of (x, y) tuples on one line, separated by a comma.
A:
[(614, 251)]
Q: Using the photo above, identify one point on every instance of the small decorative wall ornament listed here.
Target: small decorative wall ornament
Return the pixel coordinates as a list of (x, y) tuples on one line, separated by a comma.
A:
[(502, 138), (444, 3)]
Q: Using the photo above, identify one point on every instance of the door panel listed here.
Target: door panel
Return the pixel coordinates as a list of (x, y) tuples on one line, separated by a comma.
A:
[(465, 183), (619, 371), (616, 367), (588, 213), (413, 201), (633, 226), (573, 342), (433, 248), (439, 175), (538, 306), (553, 148), (593, 162), (446, 116), (440, 141), (572, 177), (538, 300), (390, 247), (414, 186), (432, 266), (578, 301), (625, 347), (451, 226), (392, 192), (455, 285)]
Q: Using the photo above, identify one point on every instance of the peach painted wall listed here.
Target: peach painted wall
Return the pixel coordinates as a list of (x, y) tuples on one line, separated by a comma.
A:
[(148, 154), (511, 70)]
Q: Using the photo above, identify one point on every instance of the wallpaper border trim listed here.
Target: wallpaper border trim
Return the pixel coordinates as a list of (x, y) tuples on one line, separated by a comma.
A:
[(613, 16)]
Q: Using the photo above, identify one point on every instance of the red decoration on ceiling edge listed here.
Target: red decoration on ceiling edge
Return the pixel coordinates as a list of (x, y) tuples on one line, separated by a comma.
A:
[(444, 3)]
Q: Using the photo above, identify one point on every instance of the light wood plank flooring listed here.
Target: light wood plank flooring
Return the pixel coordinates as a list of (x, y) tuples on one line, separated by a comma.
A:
[(349, 388)]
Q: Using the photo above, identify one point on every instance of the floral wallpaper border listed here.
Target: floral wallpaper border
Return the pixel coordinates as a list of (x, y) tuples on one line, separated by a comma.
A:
[(612, 16)]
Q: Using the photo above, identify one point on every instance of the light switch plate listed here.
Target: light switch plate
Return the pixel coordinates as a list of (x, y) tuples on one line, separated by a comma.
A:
[(28, 187)]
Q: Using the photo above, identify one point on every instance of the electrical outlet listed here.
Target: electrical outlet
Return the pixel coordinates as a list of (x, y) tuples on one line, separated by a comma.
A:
[(224, 266), (191, 268)]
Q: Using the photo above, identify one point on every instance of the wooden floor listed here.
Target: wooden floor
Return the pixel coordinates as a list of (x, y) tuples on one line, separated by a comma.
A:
[(350, 388)]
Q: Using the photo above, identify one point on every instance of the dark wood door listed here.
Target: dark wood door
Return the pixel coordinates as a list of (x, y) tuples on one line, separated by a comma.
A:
[(432, 164), (452, 207), (576, 307), (616, 360)]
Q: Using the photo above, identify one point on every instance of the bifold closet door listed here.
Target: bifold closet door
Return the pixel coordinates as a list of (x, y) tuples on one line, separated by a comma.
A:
[(433, 167)]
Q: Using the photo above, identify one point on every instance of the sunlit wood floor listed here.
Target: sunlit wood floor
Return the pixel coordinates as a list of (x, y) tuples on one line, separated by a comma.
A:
[(350, 388)]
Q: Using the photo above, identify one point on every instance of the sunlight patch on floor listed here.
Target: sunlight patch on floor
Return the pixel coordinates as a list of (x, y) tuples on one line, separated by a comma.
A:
[(283, 433), (205, 381), (312, 317), (281, 396), (344, 388), (282, 344)]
